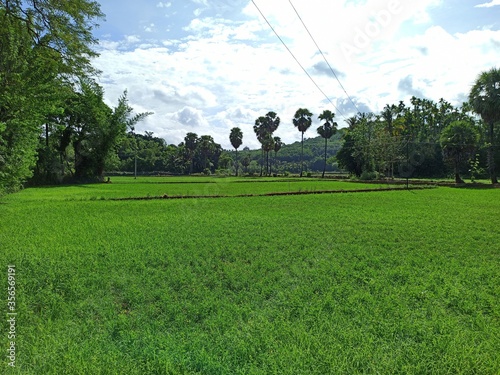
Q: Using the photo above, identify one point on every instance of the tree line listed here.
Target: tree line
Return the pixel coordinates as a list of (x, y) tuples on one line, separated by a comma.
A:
[(55, 126), (54, 123), (428, 139)]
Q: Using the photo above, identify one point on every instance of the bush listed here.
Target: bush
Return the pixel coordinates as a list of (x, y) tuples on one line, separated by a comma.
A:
[(368, 176)]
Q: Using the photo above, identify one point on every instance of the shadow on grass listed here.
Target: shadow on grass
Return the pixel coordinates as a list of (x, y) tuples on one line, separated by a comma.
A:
[(165, 196)]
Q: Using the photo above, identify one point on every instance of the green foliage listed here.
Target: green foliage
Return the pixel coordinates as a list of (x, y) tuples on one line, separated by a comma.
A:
[(42, 45), (402, 141), (484, 99), (475, 169), (459, 141)]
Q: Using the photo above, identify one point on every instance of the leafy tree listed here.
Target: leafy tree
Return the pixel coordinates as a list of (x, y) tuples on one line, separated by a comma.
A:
[(207, 154), (246, 162), (93, 129), (459, 141), (44, 45), (327, 130), (225, 161), (63, 27), (236, 139), (345, 156), (191, 143), (302, 121), (484, 98)]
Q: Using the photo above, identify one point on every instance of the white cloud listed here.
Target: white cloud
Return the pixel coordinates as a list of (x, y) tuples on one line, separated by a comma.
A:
[(164, 5), (227, 72), (190, 117), (492, 3)]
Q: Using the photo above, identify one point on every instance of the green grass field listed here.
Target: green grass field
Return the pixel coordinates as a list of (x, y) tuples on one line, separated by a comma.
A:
[(390, 282), (124, 187)]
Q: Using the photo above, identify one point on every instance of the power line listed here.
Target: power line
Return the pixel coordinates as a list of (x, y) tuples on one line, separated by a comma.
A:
[(298, 62), (324, 58)]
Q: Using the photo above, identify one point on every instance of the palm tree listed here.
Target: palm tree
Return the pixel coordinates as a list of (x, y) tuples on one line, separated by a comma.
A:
[(485, 100), (260, 131), (277, 146), (236, 139), (264, 128), (326, 130), (268, 145), (302, 121)]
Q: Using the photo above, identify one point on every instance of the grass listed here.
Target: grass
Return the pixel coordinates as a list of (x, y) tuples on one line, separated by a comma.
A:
[(124, 187), (382, 282)]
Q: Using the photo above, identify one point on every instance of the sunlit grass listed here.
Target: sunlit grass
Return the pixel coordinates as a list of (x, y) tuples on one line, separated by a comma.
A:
[(384, 282), (124, 187)]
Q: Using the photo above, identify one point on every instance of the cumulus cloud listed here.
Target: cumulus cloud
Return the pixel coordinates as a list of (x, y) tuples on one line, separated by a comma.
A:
[(190, 117), (492, 3)]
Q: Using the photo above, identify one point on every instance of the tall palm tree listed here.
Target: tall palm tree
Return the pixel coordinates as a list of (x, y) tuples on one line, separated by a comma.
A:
[(236, 139), (264, 128), (326, 130), (261, 131), (485, 100), (268, 145), (302, 121)]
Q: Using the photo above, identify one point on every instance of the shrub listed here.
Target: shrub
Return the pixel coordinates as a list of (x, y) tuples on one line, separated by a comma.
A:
[(368, 176)]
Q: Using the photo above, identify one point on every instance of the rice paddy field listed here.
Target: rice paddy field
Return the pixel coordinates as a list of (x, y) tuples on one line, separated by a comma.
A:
[(373, 282)]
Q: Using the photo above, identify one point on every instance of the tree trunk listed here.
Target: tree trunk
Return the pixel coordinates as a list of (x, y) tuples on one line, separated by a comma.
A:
[(262, 162), (270, 165), (302, 155), (236, 162), (324, 166), (491, 155), (267, 164)]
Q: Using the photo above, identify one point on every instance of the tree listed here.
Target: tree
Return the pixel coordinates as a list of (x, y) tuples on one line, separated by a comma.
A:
[(484, 98), (62, 27), (277, 146), (345, 156), (190, 142), (264, 128), (207, 154), (94, 129), (246, 162), (302, 121), (44, 45), (327, 130), (458, 141), (236, 139)]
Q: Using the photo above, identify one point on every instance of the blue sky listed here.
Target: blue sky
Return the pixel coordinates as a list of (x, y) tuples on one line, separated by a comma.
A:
[(205, 66)]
